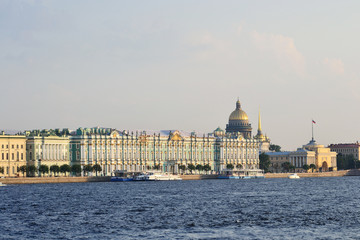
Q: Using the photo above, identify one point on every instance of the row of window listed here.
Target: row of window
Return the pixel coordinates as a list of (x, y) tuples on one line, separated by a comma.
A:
[(18, 156), (12, 146)]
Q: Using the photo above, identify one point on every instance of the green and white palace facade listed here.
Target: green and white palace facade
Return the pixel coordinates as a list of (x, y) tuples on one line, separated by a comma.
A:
[(165, 150), (136, 151)]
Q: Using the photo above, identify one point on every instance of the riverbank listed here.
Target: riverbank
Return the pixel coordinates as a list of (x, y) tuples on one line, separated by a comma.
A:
[(33, 180), (36, 180), (341, 173)]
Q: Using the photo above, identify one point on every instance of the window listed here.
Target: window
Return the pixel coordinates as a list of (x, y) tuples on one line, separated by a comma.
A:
[(17, 146), (2, 156), (2, 146), (22, 156), (7, 156), (17, 156), (12, 146), (22, 146), (12, 156), (30, 155)]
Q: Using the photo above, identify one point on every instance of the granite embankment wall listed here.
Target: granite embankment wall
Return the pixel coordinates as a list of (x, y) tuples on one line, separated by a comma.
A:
[(341, 173), (31, 180), (198, 177)]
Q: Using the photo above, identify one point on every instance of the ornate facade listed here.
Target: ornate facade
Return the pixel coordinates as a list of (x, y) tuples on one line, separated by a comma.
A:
[(164, 150), (239, 122), (47, 147), (12, 154), (311, 153)]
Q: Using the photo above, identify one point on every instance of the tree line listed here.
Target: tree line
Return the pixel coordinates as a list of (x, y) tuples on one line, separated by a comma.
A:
[(43, 169), (264, 163)]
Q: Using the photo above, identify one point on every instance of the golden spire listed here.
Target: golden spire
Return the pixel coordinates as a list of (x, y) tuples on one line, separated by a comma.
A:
[(259, 127)]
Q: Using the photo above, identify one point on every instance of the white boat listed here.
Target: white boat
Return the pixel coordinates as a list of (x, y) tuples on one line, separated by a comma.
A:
[(293, 176), (162, 177), (2, 185), (142, 177)]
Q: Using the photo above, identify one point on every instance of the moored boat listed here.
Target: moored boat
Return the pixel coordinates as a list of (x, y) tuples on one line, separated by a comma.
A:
[(2, 185), (163, 177), (122, 176), (293, 176)]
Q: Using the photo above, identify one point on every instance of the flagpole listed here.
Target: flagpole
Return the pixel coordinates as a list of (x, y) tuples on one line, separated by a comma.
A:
[(312, 130)]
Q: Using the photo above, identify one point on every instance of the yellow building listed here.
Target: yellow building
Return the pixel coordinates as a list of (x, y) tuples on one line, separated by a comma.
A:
[(325, 159), (12, 154), (311, 153)]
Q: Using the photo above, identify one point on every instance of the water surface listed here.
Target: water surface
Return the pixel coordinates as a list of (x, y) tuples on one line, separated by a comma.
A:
[(307, 208)]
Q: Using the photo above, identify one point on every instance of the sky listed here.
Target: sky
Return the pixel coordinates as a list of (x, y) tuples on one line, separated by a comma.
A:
[(182, 65)]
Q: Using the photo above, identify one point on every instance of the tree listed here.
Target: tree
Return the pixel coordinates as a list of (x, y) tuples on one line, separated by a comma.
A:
[(76, 169), (43, 169), (182, 168), (239, 166), (207, 168), (199, 168), (23, 169), (65, 168), (306, 167), (55, 169), (157, 167), (191, 167), (276, 166), (31, 169), (2, 170), (275, 148), (97, 168), (87, 169), (292, 167), (286, 166), (312, 166), (264, 162), (230, 166)]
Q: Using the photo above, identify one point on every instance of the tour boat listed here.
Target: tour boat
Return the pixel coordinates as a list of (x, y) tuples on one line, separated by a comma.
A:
[(122, 176), (293, 176), (121, 179)]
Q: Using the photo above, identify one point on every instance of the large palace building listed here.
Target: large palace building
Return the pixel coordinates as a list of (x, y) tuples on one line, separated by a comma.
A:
[(166, 150)]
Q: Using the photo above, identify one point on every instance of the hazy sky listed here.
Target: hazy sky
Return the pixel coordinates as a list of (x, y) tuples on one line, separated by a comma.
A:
[(182, 65)]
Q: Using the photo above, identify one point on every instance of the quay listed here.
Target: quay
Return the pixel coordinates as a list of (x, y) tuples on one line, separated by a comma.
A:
[(39, 180)]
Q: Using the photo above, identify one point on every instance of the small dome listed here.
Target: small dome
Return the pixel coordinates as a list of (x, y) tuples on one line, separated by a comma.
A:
[(238, 114)]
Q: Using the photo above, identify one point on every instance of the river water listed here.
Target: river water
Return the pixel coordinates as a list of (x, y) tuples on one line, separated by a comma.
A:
[(307, 208)]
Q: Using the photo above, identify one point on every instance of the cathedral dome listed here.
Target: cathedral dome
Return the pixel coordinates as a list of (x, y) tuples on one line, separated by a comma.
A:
[(238, 114)]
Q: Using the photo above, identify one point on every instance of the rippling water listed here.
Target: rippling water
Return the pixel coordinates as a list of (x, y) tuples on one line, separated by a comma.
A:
[(307, 208)]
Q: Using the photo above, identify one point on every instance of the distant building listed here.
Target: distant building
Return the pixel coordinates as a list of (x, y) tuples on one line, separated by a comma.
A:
[(47, 147), (325, 159), (346, 149), (311, 153), (239, 122), (297, 158), (12, 154)]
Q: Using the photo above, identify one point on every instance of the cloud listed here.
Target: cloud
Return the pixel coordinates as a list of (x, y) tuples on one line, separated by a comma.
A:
[(207, 47), (334, 65), (281, 49)]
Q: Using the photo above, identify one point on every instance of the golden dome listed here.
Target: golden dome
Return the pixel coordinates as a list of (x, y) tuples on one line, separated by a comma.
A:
[(238, 114)]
